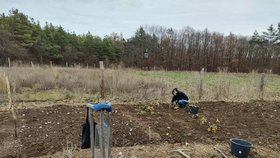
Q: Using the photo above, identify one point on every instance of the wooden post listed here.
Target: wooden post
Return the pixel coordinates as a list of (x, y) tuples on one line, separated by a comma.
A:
[(9, 92), (102, 140), (200, 84), (66, 64), (87, 65), (31, 64), (9, 62), (262, 86), (91, 132), (50, 63), (101, 66), (14, 89), (149, 132)]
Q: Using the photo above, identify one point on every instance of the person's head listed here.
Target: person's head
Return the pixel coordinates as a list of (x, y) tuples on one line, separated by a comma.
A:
[(174, 91)]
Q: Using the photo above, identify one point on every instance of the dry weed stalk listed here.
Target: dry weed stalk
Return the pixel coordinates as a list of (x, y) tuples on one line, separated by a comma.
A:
[(11, 107)]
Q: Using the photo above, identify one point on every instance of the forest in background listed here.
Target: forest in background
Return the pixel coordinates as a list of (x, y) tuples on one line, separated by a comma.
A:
[(23, 39)]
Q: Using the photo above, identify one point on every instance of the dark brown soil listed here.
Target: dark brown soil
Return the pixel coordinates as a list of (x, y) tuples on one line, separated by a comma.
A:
[(46, 130)]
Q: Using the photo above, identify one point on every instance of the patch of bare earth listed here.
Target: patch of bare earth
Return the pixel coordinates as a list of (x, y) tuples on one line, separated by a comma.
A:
[(46, 131)]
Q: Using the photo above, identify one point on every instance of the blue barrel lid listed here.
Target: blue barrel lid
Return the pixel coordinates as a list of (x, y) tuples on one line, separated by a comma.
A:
[(100, 106)]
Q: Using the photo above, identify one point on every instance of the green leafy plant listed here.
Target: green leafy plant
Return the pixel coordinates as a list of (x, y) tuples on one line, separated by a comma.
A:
[(212, 128), (142, 113), (147, 110)]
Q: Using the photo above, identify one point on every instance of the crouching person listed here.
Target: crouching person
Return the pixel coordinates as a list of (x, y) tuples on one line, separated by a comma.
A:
[(179, 98)]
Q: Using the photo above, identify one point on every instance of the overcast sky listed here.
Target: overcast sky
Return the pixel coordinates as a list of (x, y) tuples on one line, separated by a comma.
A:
[(102, 17)]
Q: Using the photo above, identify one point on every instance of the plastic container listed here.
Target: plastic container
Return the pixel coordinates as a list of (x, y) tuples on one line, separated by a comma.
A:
[(240, 148), (193, 109)]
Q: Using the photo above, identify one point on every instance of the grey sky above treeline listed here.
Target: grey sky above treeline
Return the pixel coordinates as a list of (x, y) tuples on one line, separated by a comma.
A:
[(102, 17)]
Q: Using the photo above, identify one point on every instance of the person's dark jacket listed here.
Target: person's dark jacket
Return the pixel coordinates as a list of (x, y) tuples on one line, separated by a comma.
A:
[(179, 96)]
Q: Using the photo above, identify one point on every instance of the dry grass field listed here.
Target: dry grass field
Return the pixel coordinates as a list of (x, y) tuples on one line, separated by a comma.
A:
[(130, 85)]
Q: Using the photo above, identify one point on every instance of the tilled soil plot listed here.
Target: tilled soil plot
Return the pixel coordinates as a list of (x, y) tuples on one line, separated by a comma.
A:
[(47, 130)]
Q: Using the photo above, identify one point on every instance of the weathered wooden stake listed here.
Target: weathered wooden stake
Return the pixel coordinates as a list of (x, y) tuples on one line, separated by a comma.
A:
[(200, 84), (149, 133), (9, 62), (262, 86), (101, 66), (50, 63)]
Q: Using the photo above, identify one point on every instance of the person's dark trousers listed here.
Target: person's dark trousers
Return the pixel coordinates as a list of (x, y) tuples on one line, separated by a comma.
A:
[(183, 103)]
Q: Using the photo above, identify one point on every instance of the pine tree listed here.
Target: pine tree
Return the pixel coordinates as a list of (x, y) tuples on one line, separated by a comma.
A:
[(21, 28), (271, 35)]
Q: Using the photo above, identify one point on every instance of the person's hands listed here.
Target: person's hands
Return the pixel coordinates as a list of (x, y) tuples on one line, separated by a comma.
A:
[(171, 104)]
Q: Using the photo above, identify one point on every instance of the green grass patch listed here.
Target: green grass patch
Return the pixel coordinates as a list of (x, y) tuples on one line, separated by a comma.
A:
[(46, 95)]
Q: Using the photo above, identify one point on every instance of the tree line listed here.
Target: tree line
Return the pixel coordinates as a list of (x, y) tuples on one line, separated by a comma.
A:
[(189, 49), (152, 47)]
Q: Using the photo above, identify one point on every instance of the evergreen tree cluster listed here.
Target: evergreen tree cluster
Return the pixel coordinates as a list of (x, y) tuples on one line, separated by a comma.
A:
[(21, 38)]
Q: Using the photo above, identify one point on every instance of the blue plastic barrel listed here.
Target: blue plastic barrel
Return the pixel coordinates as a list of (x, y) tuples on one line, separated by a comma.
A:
[(240, 148)]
